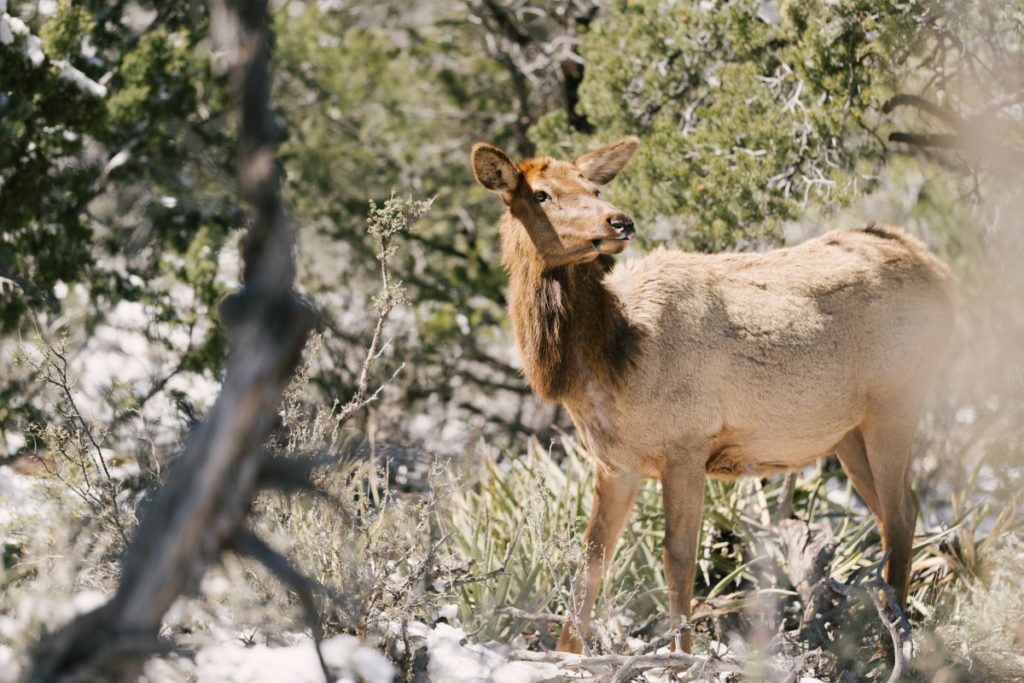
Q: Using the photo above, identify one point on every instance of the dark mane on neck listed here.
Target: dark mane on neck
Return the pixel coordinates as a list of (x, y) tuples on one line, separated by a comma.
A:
[(569, 327)]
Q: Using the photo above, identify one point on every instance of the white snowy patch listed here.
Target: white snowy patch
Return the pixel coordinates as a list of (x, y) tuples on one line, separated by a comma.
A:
[(768, 12), (13, 441), (17, 494), (9, 627), (229, 262), (18, 26), (13, 26), (234, 662), (33, 50), (216, 586), (87, 601), (452, 658), (6, 36), (119, 159), (79, 79), (420, 426)]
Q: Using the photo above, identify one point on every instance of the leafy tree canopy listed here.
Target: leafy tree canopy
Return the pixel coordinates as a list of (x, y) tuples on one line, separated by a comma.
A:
[(113, 174), (750, 110)]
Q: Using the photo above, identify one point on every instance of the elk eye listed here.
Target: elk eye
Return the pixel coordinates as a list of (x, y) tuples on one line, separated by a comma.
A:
[(597, 193), (541, 197)]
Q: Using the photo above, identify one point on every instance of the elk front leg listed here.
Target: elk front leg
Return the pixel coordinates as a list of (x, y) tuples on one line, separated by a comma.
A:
[(682, 488), (613, 499)]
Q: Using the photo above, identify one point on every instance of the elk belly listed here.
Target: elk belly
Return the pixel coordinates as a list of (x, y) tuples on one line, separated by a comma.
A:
[(732, 462), (734, 454)]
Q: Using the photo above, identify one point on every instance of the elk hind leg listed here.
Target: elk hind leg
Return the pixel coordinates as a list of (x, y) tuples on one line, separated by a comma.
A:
[(889, 442), (853, 457)]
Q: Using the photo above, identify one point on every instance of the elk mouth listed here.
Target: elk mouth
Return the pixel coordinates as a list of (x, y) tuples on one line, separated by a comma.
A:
[(611, 245)]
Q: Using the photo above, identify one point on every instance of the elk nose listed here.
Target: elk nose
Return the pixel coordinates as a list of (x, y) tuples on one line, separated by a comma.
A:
[(623, 226)]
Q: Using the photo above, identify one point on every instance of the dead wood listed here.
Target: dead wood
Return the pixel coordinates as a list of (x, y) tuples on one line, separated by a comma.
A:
[(202, 508), (809, 553), (696, 665)]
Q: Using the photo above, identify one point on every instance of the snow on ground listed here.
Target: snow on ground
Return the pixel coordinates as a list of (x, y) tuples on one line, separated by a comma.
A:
[(16, 494), (233, 662), (453, 658), (216, 651)]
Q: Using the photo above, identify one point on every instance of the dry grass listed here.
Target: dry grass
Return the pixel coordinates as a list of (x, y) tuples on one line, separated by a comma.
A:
[(495, 530)]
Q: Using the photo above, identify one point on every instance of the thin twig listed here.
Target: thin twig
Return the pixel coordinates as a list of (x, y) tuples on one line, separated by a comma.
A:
[(535, 617), (383, 225), (493, 574)]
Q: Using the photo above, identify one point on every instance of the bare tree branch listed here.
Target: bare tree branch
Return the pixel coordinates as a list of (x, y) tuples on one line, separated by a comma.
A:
[(941, 140), (925, 105), (890, 614), (202, 508)]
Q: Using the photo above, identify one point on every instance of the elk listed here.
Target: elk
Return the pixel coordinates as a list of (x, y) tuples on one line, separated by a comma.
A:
[(680, 366)]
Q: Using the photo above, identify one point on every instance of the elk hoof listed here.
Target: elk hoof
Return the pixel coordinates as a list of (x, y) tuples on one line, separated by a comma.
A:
[(682, 643), (569, 641)]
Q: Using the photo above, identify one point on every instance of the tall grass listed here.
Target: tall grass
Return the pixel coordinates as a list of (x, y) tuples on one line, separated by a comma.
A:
[(525, 513)]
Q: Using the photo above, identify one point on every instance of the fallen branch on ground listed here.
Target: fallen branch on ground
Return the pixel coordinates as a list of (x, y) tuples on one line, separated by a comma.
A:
[(897, 625), (698, 665)]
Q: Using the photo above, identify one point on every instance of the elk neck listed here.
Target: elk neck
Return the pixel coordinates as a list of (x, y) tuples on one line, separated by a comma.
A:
[(571, 331)]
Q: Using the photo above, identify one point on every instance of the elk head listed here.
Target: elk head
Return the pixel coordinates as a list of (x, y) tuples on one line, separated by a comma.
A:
[(559, 203)]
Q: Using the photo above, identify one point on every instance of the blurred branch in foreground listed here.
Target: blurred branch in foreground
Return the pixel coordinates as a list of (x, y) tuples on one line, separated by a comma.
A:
[(202, 508)]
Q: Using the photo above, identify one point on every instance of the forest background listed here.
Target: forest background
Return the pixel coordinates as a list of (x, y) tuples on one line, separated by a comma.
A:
[(761, 123)]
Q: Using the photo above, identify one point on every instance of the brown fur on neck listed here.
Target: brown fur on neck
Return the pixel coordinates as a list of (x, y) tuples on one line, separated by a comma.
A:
[(569, 328)]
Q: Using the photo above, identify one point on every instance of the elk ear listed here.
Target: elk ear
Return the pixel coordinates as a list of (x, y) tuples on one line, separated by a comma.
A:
[(603, 164), (494, 170)]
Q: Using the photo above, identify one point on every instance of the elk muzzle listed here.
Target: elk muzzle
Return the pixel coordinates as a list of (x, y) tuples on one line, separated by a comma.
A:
[(623, 226), (615, 242)]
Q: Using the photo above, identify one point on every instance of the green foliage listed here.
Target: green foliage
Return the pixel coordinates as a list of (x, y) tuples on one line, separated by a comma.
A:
[(114, 172), (534, 509), (62, 34), (153, 77), (747, 111), (101, 179), (377, 97), (522, 516)]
